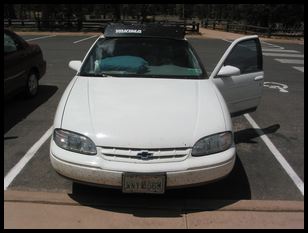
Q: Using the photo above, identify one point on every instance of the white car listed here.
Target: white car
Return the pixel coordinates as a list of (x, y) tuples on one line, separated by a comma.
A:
[(141, 114)]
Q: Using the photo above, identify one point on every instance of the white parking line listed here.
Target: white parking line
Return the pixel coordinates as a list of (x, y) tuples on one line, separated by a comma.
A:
[(227, 40), (300, 68), (280, 50), (295, 178), (84, 39), (10, 176), (291, 61), (42, 37), (283, 55), (272, 45), (297, 181)]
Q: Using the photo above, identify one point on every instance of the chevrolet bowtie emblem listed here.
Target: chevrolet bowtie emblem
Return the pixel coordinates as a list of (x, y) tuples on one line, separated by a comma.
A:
[(144, 155)]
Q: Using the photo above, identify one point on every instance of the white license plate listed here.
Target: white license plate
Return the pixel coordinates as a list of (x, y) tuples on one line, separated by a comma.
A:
[(139, 183)]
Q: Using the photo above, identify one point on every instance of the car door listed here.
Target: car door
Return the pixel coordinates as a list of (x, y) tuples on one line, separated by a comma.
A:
[(239, 75), (15, 69)]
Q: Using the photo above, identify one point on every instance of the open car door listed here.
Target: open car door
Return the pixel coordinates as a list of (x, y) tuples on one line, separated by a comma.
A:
[(239, 75)]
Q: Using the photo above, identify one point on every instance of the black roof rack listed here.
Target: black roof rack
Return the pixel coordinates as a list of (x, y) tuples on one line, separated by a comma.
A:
[(144, 30)]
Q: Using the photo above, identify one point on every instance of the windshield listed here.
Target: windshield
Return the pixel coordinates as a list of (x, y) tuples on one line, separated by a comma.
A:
[(142, 57)]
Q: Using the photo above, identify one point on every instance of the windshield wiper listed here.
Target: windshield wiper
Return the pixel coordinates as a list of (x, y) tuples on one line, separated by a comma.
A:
[(105, 75), (95, 75)]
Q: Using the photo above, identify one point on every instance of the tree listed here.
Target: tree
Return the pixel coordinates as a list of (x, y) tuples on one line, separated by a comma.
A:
[(117, 10), (288, 15), (9, 11)]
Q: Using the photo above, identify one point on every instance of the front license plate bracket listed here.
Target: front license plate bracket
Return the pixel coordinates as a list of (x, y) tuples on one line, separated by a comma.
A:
[(143, 183)]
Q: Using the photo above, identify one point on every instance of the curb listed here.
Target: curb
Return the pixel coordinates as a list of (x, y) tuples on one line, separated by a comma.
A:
[(217, 34), (42, 210), (162, 203)]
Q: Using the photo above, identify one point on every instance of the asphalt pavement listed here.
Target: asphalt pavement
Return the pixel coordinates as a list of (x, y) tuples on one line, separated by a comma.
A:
[(257, 175)]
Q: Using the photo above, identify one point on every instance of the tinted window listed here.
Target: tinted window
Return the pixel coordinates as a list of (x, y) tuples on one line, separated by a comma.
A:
[(144, 57), (19, 41), (246, 56), (9, 44)]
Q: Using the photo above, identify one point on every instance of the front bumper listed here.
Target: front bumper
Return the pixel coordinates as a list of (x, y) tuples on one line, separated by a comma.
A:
[(192, 171)]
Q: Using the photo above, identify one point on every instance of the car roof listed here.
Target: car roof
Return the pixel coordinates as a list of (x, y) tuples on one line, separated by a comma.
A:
[(157, 30)]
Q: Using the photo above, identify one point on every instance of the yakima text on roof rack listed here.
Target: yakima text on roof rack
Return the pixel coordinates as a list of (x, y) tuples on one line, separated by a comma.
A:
[(144, 30)]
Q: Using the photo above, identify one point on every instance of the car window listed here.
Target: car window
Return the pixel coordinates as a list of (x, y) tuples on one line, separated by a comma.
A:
[(9, 44), (19, 41), (142, 57), (245, 56)]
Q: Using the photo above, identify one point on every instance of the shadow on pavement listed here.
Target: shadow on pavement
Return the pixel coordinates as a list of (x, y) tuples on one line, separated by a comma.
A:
[(18, 107), (211, 196), (174, 202), (246, 135)]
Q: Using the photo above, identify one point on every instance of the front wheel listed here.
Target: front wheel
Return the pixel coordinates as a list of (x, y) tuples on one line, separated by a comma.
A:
[(32, 85)]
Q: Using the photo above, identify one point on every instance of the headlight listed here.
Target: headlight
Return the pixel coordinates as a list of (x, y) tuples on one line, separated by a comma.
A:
[(74, 142), (212, 144)]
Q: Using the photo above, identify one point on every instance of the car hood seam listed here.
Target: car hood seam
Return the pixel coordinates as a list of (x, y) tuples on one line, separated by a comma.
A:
[(222, 110), (63, 112)]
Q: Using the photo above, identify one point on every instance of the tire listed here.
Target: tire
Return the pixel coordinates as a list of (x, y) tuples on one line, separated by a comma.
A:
[(32, 84)]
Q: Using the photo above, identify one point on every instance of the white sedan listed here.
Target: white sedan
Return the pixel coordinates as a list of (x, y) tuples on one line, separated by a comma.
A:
[(141, 114)]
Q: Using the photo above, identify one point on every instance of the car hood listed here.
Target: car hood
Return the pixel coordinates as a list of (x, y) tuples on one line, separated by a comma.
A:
[(143, 112)]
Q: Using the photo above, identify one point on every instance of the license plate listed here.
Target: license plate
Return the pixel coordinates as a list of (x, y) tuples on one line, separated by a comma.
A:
[(139, 183)]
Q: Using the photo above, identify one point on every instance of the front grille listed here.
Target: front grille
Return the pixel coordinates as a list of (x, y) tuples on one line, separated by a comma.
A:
[(145, 155)]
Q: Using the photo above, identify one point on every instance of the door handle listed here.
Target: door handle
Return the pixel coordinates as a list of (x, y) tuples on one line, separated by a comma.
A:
[(259, 78)]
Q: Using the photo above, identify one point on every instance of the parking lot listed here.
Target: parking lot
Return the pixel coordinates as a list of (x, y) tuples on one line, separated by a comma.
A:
[(259, 174)]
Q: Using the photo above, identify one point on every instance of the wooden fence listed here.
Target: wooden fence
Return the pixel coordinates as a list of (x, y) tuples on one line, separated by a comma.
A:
[(250, 29), (99, 25), (78, 25)]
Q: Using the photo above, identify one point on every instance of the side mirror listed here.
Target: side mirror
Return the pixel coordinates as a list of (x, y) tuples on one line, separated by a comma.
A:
[(75, 65), (229, 71)]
